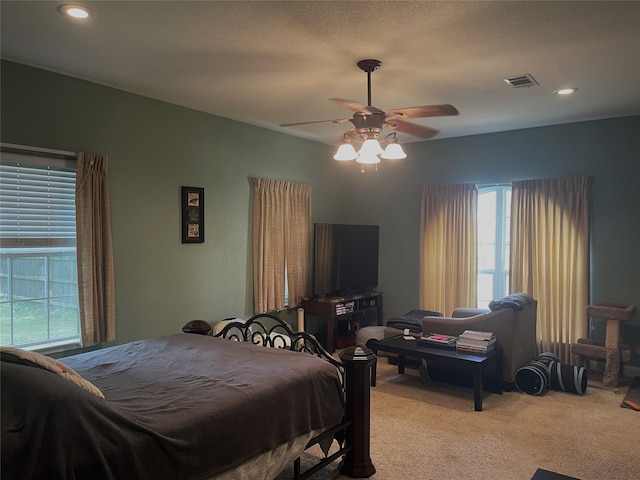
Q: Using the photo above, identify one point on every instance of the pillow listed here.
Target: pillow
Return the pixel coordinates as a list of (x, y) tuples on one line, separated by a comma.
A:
[(26, 357)]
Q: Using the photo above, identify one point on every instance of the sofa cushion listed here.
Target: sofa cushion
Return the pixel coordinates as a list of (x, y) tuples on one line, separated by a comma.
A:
[(462, 312)]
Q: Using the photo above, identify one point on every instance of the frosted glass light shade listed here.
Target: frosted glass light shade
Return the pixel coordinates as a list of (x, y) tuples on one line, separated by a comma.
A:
[(345, 152), (370, 147), (368, 158), (394, 152)]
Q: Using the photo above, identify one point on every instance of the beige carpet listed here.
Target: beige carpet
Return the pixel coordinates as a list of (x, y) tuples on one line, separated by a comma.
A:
[(432, 432)]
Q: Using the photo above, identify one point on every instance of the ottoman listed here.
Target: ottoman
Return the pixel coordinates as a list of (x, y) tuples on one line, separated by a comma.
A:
[(369, 333), (366, 334)]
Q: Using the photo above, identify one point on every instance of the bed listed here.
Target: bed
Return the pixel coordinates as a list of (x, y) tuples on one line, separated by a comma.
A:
[(183, 406)]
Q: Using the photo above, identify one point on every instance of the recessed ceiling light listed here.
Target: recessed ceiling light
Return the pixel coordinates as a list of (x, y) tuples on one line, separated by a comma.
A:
[(75, 11), (565, 91)]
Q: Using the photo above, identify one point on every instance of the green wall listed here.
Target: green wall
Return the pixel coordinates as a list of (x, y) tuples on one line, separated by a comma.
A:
[(155, 147)]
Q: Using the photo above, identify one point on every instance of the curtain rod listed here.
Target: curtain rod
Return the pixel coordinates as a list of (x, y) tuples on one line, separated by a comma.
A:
[(485, 185)]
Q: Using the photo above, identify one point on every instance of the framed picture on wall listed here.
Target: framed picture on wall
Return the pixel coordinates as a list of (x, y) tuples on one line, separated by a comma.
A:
[(192, 215)]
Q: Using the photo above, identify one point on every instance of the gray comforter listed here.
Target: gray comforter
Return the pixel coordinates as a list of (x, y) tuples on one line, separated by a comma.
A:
[(177, 407)]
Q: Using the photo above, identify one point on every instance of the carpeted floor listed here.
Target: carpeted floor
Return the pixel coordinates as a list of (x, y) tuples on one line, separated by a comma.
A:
[(542, 474), (431, 432)]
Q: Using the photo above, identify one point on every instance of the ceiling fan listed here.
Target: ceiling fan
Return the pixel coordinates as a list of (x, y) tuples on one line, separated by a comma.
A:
[(369, 121)]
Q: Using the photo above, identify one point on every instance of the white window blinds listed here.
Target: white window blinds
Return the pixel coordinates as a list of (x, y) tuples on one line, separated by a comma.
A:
[(37, 201)]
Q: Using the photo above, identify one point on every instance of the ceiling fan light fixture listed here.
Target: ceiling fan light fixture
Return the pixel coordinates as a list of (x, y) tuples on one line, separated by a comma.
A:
[(368, 158), (370, 146), (369, 123), (394, 152), (345, 153)]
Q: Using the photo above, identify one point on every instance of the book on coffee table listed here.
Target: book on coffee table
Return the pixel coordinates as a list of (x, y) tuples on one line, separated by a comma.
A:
[(437, 340), (475, 341)]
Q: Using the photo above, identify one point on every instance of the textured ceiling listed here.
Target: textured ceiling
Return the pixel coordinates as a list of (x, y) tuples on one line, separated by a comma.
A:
[(267, 63)]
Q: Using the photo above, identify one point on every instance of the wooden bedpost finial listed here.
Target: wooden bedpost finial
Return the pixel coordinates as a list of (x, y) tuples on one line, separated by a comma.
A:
[(356, 353), (357, 362)]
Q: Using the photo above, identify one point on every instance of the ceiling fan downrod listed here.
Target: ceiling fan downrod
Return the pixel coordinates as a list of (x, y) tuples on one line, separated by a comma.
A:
[(369, 66)]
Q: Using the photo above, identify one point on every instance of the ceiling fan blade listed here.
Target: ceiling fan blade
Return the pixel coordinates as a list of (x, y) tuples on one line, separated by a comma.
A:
[(338, 120), (351, 105), (412, 129), (426, 111)]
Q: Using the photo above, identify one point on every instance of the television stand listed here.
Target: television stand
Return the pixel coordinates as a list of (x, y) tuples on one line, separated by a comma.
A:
[(331, 307)]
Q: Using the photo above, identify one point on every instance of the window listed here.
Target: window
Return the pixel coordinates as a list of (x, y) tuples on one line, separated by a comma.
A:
[(38, 266), (494, 219)]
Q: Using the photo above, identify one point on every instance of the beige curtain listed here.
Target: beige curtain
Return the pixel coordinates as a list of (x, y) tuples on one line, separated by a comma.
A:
[(96, 284), (448, 247), (550, 256), (281, 242)]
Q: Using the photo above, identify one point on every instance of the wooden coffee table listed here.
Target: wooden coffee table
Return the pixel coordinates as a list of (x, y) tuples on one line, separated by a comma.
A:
[(479, 365)]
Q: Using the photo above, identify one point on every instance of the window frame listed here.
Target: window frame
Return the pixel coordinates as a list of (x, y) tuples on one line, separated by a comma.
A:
[(500, 274), (43, 245)]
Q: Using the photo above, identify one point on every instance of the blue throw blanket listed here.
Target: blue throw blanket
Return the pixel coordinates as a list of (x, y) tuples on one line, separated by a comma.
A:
[(515, 301), (412, 320)]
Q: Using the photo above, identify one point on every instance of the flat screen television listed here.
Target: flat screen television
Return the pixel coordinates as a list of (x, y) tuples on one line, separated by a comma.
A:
[(345, 259)]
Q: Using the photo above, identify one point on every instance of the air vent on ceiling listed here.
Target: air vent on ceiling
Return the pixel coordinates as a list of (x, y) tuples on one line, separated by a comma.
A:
[(519, 81)]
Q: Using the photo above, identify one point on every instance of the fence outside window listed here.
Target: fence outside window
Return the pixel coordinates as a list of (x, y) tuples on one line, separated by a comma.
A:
[(38, 297)]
